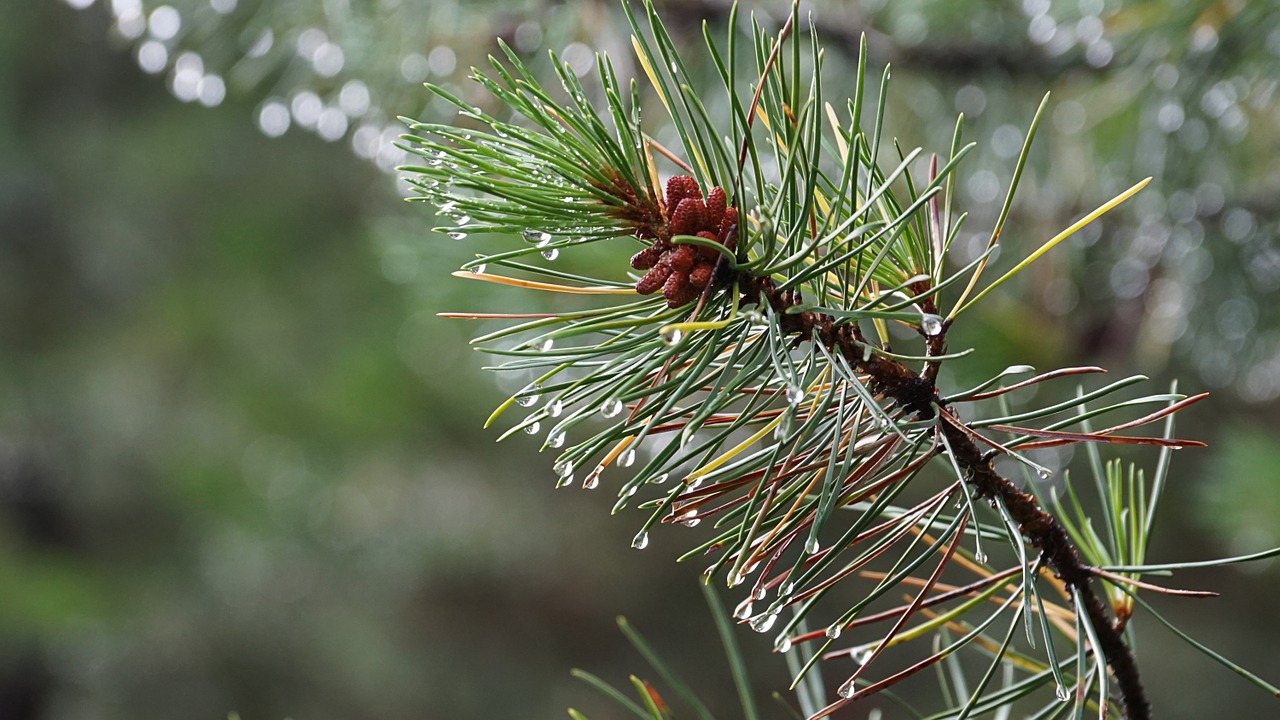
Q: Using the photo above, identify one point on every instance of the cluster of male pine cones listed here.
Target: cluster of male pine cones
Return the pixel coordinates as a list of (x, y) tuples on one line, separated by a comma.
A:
[(683, 271)]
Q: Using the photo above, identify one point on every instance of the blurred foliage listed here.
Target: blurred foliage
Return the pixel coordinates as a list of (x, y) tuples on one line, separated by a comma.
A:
[(240, 465)]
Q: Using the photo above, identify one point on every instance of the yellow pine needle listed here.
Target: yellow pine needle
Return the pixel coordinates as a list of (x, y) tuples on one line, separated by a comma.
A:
[(550, 287), (731, 454), (961, 305), (835, 129), (653, 80)]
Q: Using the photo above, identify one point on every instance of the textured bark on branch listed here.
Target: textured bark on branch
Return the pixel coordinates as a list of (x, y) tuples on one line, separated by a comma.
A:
[(917, 393)]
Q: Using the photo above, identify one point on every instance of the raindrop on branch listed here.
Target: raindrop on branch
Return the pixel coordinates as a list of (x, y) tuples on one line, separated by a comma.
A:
[(763, 622), (611, 407), (931, 324)]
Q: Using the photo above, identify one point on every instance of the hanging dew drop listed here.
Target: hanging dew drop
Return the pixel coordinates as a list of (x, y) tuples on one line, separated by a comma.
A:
[(641, 540), (564, 468), (565, 481), (689, 519), (743, 610), (592, 480), (860, 655), (555, 408), (546, 345), (532, 428), (671, 337), (758, 594), (848, 689), (527, 399), (628, 458), (763, 622), (478, 269), (551, 254), (457, 235), (834, 630), (536, 237), (782, 644), (794, 395), (812, 546), (611, 407), (786, 589), (1062, 694), (931, 324), (462, 219), (660, 478), (980, 556), (1043, 473), (556, 439)]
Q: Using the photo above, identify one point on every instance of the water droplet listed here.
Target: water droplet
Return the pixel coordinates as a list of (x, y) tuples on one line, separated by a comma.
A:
[(784, 428), (448, 207), (564, 468), (758, 594), (689, 519), (736, 580), (537, 237), (611, 407), (457, 234), (860, 655), (1062, 693), (834, 630), (532, 428), (1043, 472), (812, 546), (672, 336), (782, 644), (641, 540), (462, 219), (743, 610), (980, 556), (794, 395), (565, 481), (693, 484), (592, 480), (787, 588), (551, 254), (764, 621), (555, 408), (528, 398), (556, 439), (628, 458), (931, 324), (660, 478), (546, 345), (848, 689), (629, 491)]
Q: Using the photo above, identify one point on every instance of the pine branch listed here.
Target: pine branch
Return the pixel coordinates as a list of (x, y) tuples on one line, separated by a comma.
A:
[(739, 364), (918, 394)]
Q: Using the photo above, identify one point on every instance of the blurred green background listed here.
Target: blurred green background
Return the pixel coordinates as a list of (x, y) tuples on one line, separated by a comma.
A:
[(241, 463)]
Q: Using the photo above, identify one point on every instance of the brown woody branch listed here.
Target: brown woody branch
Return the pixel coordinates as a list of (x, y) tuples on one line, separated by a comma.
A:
[(917, 393)]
